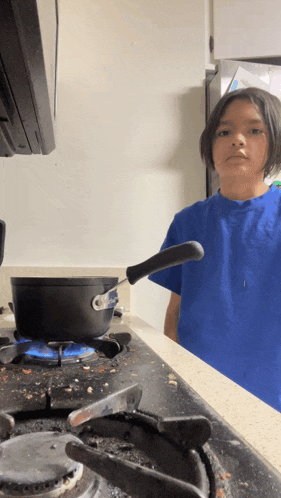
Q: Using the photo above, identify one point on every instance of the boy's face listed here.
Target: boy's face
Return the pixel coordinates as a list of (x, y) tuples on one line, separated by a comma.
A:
[(240, 146)]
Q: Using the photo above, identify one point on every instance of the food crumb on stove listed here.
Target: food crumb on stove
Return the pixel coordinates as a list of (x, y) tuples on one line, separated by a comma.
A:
[(86, 368), (172, 376), (28, 396), (106, 384), (76, 380), (3, 369), (26, 372), (68, 389), (173, 383), (220, 493), (134, 375), (101, 369), (89, 389), (4, 378), (125, 446), (225, 476), (112, 371)]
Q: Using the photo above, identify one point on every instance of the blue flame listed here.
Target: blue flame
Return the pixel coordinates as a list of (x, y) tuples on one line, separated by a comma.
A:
[(39, 349)]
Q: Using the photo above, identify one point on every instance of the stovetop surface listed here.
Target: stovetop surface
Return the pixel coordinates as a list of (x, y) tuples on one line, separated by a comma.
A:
[(26, 387)]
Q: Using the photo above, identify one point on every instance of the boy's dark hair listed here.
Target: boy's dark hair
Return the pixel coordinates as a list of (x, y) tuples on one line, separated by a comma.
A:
[(270, 108)]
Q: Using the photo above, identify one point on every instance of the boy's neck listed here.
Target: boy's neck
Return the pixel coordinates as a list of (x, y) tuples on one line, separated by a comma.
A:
[(239, 190)]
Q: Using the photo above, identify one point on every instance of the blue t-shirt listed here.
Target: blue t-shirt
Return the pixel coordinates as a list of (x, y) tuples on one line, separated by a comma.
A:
[(230, 313)]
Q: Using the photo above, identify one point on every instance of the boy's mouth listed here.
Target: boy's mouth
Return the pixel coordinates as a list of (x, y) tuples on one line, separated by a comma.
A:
[(237, 156)]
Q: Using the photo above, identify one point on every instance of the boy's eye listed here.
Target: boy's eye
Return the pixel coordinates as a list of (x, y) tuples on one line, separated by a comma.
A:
[(256, 131), (222, 133)]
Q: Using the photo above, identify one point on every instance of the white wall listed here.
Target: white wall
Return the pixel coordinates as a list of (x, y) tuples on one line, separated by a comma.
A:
[(130, 113)]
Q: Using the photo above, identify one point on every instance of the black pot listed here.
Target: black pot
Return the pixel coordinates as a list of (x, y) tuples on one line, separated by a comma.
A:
[(80, 308), (60, 309)]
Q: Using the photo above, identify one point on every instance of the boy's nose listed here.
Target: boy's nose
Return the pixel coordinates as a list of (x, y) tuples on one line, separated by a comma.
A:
[(238, 140)]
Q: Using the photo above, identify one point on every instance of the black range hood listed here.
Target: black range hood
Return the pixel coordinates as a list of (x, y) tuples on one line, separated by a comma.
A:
[(28, 66)]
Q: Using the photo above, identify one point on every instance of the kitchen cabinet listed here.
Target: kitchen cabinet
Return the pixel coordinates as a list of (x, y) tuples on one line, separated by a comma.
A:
[(28, 66), (246, 29)]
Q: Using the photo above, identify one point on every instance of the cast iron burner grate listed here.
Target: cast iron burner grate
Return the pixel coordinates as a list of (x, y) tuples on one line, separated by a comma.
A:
[(169, 452), (34, 462)]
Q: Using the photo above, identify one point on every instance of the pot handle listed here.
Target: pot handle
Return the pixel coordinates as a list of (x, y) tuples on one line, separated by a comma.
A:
[(173, 256)]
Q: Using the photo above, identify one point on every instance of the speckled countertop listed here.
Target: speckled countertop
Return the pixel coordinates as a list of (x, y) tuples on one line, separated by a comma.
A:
[(253, 420)]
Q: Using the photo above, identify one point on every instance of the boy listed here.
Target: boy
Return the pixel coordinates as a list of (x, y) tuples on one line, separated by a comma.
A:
[(226, 308)]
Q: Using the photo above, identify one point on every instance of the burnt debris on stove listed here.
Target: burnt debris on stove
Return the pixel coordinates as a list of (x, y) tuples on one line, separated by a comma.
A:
[(172, 442)]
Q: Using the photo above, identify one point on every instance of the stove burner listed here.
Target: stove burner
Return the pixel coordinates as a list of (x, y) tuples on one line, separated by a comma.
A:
[(56, 353), (66, 352), (36, 465)]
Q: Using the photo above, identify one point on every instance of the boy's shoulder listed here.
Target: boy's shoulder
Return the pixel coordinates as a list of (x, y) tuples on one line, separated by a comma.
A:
[(217, 202), (198, 208)]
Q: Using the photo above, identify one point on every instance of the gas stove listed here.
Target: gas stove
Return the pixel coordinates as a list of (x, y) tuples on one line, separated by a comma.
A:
[(78, 427)]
